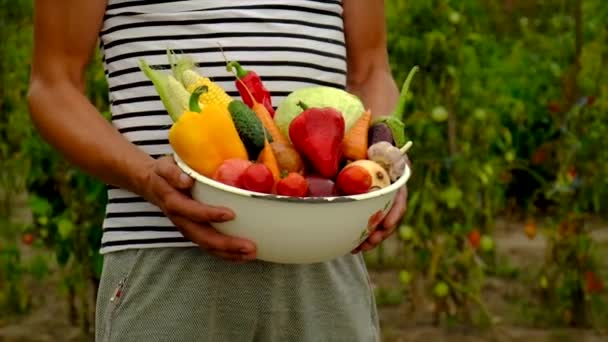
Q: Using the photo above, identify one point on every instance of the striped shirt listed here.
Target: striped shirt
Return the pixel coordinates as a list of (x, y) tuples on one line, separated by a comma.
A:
[(291, 44)]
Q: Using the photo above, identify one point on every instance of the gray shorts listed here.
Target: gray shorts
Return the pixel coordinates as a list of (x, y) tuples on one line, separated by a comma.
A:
[(184, 294)]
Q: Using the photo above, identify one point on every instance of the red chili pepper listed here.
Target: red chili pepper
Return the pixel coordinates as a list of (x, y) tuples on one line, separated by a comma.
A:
[(254, 83)]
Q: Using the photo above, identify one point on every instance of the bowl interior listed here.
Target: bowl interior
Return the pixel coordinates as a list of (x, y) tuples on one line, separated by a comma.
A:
[(200, 178)]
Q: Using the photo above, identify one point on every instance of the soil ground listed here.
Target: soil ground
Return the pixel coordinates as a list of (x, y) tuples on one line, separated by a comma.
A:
[(48, 321)]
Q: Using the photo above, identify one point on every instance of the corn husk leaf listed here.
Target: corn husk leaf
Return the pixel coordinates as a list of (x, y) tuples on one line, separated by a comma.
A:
[(172, 93)]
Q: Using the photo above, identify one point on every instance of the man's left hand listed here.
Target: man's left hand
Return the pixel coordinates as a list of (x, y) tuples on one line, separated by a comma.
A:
[(387, 226)]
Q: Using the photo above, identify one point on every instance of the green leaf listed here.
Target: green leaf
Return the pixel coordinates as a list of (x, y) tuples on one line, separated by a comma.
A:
[(43, 220), (405, 277), (65, 228), (40, 206), (62, 253), (452, 196), (483, 178), (413, 200), (459, 229), (398, 129), (399, 112), (39, 267), (172, 93)]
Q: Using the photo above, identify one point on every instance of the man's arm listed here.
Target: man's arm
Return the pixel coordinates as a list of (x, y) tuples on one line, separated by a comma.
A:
[(370, 78), (369, 73), (65, 33)]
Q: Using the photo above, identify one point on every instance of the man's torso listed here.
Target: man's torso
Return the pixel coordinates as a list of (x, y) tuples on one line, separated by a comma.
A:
[(290, 44)]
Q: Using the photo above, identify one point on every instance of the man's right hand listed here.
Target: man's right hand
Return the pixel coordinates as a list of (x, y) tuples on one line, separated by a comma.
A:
[(68, 121), (168, 188)]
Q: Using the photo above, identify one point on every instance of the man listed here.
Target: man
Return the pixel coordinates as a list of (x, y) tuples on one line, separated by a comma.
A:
[(168, 276)]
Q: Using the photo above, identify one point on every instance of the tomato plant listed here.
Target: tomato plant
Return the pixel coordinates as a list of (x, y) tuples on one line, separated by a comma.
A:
[(507, 116), (494, 136), (571, 265), (14, 272), (66, 206)]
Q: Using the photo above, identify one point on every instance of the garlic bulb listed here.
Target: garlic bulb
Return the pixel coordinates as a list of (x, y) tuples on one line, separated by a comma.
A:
[(389, 157)]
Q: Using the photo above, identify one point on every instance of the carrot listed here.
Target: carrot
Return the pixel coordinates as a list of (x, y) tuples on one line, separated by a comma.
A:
[(262, 113), (354, 144), (268, 158)]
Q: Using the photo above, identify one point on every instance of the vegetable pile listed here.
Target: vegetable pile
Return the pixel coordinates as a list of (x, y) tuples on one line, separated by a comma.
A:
[(320, 142)]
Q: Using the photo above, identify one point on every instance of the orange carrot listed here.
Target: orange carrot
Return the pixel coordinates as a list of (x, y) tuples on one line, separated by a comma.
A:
[(262, 113), (268, 158), (354, 144)]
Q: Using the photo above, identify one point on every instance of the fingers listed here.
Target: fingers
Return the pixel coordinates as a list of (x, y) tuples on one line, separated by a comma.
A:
[(398, 209), (166, 168), (234, 257), (364, 247), (224, 246), (177, 204), (388, 225), (374, 239), (191, 216)]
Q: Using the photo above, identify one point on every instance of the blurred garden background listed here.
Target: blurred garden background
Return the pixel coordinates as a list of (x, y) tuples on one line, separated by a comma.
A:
[(505, 238)]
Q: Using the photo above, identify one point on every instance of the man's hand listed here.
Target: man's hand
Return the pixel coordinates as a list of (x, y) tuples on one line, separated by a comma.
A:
[(388, 225), (168, 187), (369, 77)]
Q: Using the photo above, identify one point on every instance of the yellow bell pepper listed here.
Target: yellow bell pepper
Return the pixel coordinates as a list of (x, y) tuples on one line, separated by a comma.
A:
[(203, 139)]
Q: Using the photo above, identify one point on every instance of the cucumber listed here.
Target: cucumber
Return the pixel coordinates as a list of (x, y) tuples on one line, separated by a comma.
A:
[(250, 128)]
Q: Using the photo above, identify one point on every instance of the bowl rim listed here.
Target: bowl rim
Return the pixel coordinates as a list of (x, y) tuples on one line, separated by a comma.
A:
[(242, 192)]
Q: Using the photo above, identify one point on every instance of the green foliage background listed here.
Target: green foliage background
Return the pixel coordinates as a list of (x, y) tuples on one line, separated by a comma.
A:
[(507, 115)]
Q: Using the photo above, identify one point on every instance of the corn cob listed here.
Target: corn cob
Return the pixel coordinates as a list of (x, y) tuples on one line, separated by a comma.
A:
[(189, 78), (184, 70), (215, 93)]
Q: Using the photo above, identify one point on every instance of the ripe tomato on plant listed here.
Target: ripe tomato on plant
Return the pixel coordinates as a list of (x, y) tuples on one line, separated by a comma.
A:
[(474, 238), (571, 174), (530, 229), (592, 283), (554, 107), (27, 238), (540, 155)]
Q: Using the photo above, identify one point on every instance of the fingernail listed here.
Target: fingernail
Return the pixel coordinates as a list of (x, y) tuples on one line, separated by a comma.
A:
[(226, 217), (184, 179), (247, 255)]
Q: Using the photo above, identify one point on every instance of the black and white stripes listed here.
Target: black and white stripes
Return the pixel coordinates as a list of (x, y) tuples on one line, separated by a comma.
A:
[(291, 44)]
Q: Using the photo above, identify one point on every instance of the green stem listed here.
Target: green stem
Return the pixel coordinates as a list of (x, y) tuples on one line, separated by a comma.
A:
[(436, 253), (406, 147), (196, 94), (240, 71), (398, 113), (534, 174), (302, 105), (471, 295)]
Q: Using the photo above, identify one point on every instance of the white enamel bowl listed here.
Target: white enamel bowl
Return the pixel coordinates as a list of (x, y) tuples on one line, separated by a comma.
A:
[(296, 230)]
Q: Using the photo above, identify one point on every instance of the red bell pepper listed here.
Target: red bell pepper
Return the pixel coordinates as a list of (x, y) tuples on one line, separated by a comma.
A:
[(254, 84)]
